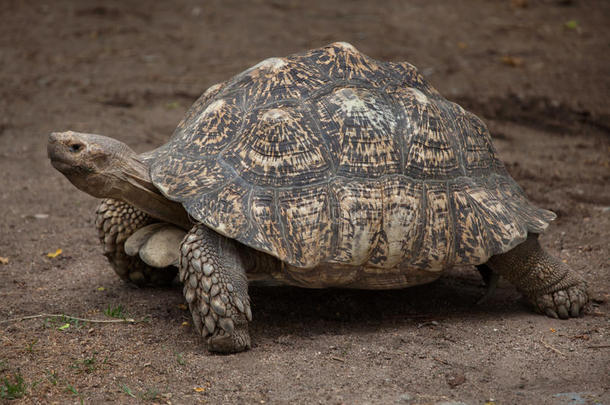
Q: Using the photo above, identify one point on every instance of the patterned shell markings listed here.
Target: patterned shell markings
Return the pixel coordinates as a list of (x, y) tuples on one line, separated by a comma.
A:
[(330, 156)]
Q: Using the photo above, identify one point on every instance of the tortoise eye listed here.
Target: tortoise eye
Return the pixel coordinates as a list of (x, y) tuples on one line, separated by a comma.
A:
[(76, 147)]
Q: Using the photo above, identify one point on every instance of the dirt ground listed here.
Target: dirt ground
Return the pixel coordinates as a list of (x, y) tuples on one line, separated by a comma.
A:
[(536, 71)]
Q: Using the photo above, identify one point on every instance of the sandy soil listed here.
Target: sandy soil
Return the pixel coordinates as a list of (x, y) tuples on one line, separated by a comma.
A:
[(536, 71)]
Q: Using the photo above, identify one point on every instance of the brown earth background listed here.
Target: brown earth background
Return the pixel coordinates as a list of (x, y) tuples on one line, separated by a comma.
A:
[(536, 71)]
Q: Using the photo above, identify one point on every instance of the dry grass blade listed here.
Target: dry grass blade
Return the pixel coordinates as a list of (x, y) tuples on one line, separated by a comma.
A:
[(548, 346), (23, 318)]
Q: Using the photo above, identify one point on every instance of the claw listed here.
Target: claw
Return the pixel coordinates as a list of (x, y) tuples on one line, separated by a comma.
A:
[(239, 304), (248, 313), (577, 300), (549, 312), (575, 310), (197, 320), (563, 312)]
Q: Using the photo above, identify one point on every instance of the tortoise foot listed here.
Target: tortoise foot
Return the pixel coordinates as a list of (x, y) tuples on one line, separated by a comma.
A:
[(235, 341), (562, 304), (550, 285)]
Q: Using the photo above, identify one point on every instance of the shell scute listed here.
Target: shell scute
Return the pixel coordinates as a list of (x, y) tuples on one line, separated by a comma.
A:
[(265, 220), (304, 215), (403, 220), (502, 228), (479, 153), (471, 246), (208, 130), (404, 74), (199, 105), (361, 130), (225, 209), (359, 224), (342, 61), (435, 249), (430, 152), (536, 219), (195, 175), (279, 146), (278, 79)]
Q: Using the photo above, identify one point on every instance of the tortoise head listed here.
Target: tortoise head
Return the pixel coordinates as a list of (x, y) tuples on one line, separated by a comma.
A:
[(106, 168), (95, 164)]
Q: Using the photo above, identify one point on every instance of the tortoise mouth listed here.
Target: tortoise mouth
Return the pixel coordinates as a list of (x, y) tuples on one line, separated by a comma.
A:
[(61, 165), (56, 154), (66, 167)]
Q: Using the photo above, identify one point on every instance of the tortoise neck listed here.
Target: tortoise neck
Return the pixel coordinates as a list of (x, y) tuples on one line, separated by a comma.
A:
[(133, 185)]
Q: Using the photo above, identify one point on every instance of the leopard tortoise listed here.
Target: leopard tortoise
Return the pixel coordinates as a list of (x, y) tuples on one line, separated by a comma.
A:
[(321, 169)]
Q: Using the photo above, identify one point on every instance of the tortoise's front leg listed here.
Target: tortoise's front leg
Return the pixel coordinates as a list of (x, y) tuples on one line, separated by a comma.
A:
[(116, 221), (550, 285), (216, 289)]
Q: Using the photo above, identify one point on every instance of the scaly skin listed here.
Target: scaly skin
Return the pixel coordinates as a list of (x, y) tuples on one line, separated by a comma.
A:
[(550, 285), (216, 289), (115, 222)]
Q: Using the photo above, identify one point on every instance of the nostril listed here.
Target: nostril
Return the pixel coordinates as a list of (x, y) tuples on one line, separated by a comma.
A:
[(75, 147)]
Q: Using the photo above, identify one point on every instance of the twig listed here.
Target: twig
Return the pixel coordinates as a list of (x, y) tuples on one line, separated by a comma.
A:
[(23, 318), (337, 359), (441, 361), (548, 346), (598, 347), (596, 313)]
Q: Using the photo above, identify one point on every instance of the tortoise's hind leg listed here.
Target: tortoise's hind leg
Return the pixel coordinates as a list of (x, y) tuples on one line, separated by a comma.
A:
[(550, 285), (216, 288), (490, 278), (116, 221)]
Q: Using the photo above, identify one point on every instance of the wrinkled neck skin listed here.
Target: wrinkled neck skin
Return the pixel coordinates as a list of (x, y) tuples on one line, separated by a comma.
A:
[(133, 185), (106, 168)]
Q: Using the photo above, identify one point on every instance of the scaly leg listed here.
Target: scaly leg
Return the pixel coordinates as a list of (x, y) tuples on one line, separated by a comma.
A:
[(550, 285), (490, 278), (116, 221), (216, 288)]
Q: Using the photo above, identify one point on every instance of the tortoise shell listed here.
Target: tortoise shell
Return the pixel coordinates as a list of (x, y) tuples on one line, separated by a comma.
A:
[(332, 158)]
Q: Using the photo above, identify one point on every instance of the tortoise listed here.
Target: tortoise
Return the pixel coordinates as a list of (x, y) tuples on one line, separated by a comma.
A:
[(320, 169)]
